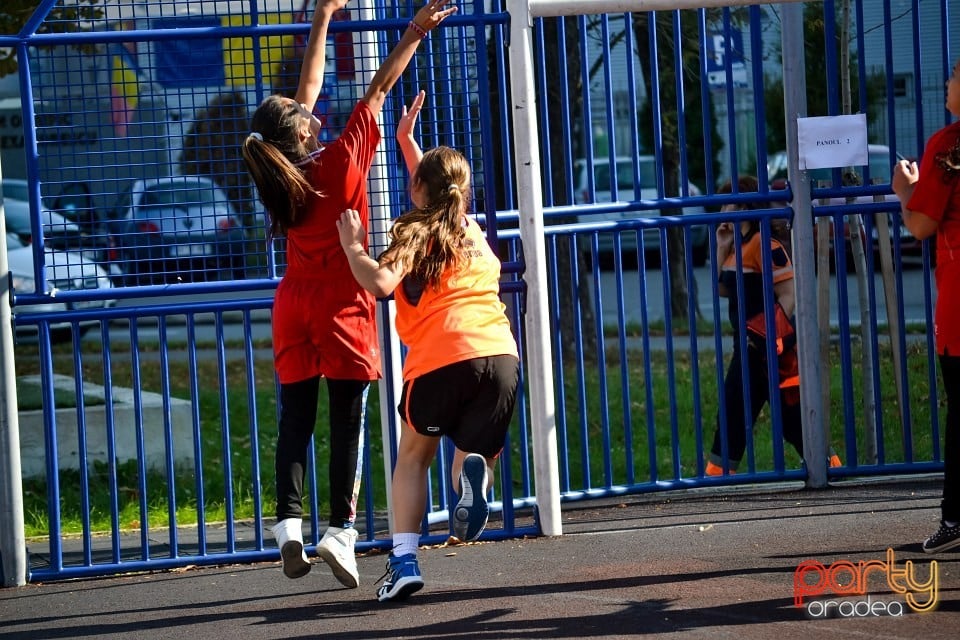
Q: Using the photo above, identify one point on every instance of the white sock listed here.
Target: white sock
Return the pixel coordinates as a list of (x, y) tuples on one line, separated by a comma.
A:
[(405, 543)]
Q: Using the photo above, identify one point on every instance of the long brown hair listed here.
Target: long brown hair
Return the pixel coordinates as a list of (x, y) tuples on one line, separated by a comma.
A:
[(271, 152), (427, 240)]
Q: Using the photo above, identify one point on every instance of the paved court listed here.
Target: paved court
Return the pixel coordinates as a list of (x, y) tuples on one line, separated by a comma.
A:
[(698, 564)]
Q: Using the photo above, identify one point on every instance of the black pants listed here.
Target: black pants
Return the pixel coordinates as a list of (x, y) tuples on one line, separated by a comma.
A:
[(950, 372), (736, 426), (298, 415)]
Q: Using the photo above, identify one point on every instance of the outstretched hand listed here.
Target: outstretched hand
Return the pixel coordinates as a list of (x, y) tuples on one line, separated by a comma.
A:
[(408, 118), (433, 13)]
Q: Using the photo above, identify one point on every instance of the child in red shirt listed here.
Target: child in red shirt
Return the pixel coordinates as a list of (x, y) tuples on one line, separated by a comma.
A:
[(323, 322), (930, 204)]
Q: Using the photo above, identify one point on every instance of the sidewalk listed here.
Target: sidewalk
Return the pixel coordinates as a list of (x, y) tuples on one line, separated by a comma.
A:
[(697, 564)]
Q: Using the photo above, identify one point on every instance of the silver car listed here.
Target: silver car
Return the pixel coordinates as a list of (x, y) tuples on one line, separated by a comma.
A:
[(65, 271), (177, 229)]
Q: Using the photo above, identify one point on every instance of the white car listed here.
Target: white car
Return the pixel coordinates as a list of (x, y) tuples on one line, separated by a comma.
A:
[(59, 232), (626, 192), (65, 271)]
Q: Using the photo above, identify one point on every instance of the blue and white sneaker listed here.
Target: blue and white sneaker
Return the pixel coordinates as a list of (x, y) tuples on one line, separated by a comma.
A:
[(470, 514), (402, 578)]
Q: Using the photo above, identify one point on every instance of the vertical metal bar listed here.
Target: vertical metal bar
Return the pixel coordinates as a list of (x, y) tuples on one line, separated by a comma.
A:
[(555, 311), (166, 426), (538, 352), (141, 449), (256, 488), (13, 542), (795, 106), (197, 436)]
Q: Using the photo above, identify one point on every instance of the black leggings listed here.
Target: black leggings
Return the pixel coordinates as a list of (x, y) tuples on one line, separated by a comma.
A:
[(298, 415), (736, 430), (950, 372)]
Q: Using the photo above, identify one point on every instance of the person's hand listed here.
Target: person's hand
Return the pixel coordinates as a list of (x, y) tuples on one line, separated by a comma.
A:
[(432, 14), (351, 229), (331, 6), (408, 119), (724, 236), (905, 173)]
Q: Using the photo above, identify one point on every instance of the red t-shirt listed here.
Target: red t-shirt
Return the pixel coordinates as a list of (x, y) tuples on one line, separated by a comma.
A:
[(937, 195), (323, 321)]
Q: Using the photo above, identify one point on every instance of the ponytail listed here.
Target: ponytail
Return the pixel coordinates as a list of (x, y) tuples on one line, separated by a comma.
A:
[(269, 152)]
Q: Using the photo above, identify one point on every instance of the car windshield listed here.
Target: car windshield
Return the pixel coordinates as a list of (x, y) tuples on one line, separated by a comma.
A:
[(165, 195), (15, 190)]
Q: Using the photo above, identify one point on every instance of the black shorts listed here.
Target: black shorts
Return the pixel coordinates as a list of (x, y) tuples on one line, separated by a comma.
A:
[(471, 402)]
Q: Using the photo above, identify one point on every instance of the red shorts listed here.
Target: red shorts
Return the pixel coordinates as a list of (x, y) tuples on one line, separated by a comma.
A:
[(946, 318), (324, 326)]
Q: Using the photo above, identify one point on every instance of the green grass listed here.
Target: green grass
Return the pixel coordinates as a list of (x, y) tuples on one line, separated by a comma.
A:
[(584, 423)]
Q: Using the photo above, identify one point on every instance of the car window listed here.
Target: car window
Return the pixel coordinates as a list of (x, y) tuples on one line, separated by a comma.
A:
[(16, 190), (601, 174), (880, 166), (165, 196)]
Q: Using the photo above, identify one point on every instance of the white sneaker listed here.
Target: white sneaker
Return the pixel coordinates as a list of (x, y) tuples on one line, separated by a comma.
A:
[(336, 549), (290, 540)]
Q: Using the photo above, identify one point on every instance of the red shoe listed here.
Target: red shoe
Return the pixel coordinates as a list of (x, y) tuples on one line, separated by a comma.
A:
[(716, 470)]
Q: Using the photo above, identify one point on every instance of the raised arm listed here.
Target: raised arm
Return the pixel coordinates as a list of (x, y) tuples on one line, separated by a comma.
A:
[(412, 153), (429, 16), (315, 57)]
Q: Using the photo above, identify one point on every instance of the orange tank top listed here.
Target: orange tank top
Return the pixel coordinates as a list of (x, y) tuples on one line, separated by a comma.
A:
[(462, 319)]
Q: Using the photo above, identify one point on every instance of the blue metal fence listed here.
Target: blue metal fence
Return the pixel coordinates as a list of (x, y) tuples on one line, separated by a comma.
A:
[(638, 328)]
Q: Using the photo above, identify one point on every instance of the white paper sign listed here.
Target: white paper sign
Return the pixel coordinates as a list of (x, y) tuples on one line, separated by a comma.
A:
[(832, 141)]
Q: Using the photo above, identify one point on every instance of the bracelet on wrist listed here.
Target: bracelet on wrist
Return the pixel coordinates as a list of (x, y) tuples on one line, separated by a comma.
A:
[(417, 29)]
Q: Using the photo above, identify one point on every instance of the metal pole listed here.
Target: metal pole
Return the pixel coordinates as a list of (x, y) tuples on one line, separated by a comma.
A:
[(543, 8), (13, 543), (367, 54), (539, 356), (795, 106)]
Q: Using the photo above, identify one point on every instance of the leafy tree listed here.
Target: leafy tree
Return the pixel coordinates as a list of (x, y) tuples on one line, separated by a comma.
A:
[(14, 14), (212, 145), (815, 54), (660, 25)]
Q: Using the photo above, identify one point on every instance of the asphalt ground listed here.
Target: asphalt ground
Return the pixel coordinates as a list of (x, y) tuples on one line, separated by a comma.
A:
[(696, 564)]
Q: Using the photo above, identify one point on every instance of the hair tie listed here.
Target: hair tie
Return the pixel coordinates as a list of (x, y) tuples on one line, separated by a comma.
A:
[(452, 187), (256, 136)]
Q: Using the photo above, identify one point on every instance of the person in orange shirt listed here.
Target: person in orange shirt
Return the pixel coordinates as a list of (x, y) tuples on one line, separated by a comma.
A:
[(753, 355), (323, 322), (930, 204), (461, 372)]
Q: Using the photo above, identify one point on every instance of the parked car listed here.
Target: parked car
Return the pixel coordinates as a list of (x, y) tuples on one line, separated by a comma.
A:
[(177, 229), (880, 168), (627, 190), (65, 271), (59, 232)]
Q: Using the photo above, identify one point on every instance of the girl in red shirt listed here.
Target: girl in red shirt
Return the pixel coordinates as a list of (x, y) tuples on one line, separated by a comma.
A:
[(930, 205), (461, 372), (323, 322)]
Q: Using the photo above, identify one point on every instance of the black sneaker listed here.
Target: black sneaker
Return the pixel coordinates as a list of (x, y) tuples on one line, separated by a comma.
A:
[(470, 514), (945, 538)]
